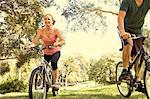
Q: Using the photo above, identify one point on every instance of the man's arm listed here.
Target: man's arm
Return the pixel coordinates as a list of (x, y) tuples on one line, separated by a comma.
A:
[(122, 32), (121, 17)]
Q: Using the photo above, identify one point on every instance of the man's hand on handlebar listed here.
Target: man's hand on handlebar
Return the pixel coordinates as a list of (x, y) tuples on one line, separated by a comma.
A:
[(126, 35)]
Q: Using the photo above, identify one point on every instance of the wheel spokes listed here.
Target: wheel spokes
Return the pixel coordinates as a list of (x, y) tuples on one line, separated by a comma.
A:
[(124, 84), (38, 86)]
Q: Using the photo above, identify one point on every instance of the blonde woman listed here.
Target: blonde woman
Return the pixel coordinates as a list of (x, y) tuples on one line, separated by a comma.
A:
[(50, 36)]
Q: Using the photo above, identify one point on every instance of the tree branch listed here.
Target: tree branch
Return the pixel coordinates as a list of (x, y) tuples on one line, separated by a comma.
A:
[(114, 13), (98, 11), (1, 59)]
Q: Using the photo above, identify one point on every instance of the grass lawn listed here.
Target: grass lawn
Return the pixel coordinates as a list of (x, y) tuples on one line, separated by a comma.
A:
[(82, 91)]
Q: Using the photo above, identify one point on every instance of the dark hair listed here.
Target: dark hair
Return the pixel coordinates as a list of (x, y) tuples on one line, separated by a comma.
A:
[(51, 17)]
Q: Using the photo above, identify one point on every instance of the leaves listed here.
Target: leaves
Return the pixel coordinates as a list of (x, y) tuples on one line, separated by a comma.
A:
[(21, 21), (4, 68), (99, 69), (86, 16), (75, 68)]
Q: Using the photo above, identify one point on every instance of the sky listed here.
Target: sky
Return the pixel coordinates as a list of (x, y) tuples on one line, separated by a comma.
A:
[(94, 45)]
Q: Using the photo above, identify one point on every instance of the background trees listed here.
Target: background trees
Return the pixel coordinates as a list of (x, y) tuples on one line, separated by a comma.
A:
[(19, 20), (74, 69)]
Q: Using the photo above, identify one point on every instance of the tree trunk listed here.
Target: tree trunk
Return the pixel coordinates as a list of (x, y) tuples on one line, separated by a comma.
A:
[(19, 73), (66, 79)]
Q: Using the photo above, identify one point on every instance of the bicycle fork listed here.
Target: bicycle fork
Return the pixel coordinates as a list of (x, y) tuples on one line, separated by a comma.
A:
[(48, 74)]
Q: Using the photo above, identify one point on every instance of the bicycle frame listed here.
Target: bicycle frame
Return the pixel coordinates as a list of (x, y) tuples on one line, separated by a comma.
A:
[(41, 77), (140, 54), (47, 67), (47, 71)]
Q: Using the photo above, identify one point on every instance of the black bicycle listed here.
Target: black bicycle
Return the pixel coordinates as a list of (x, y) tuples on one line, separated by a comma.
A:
[(127, 85), (41, 78)]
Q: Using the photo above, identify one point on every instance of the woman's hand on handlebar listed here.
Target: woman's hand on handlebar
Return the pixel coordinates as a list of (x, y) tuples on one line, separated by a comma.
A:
[(56, 44), (32, 45)]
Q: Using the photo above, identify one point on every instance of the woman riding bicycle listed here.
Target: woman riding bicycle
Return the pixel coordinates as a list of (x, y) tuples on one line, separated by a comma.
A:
[(50, 36), (130, 21)]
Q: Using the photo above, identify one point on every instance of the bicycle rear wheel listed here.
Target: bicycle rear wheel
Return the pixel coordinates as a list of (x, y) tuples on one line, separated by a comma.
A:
[(124, 86), (37, 84), (147, 80)]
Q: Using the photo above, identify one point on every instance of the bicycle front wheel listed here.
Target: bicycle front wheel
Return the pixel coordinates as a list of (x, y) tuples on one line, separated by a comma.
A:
[(147, 80), (37, 84), (123, 86)]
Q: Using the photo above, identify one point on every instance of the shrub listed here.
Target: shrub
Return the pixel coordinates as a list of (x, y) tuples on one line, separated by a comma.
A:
[(12, 85), (4, 67), (102, 70)]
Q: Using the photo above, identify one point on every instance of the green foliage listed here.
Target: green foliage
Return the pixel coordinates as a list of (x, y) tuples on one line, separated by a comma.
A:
[(83, 16), (147, 40), (12, 85), (21, 19), (24, 57), (74, 68), (102, 69), (4, 68)]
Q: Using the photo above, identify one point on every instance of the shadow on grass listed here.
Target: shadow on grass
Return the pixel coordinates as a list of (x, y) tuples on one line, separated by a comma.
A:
[(82, 96), (95, 96), (96, 93), (108, 92), (14, 97)]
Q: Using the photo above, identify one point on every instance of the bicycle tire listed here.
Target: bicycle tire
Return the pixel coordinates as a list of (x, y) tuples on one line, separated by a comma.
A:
[(147, 79), (119, 86), (32, 84)]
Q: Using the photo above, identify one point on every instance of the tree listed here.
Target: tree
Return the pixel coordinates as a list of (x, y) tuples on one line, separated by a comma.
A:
[(69, 66), (21, 19), (147, 40), (74, 69), (4, 68), (87, 15), (103, 70)]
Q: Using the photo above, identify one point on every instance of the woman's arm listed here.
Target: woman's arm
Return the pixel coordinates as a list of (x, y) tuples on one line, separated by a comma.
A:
[(36, 38), (61, 40)]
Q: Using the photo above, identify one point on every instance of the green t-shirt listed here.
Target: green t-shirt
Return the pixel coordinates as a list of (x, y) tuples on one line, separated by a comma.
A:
[(135, 15)]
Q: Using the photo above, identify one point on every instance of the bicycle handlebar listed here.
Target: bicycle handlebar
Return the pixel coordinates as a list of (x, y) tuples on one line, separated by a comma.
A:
[(39, 49), (133, 36)]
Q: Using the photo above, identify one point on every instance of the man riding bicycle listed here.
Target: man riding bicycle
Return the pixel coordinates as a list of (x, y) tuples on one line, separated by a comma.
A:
[(130, 21)]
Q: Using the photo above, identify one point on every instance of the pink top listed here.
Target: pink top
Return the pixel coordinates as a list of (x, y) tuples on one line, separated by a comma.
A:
[(50, 40)]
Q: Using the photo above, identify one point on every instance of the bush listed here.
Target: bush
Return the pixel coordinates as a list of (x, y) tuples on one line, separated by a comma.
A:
[(12, 85), (4, 67), (102, 70)]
